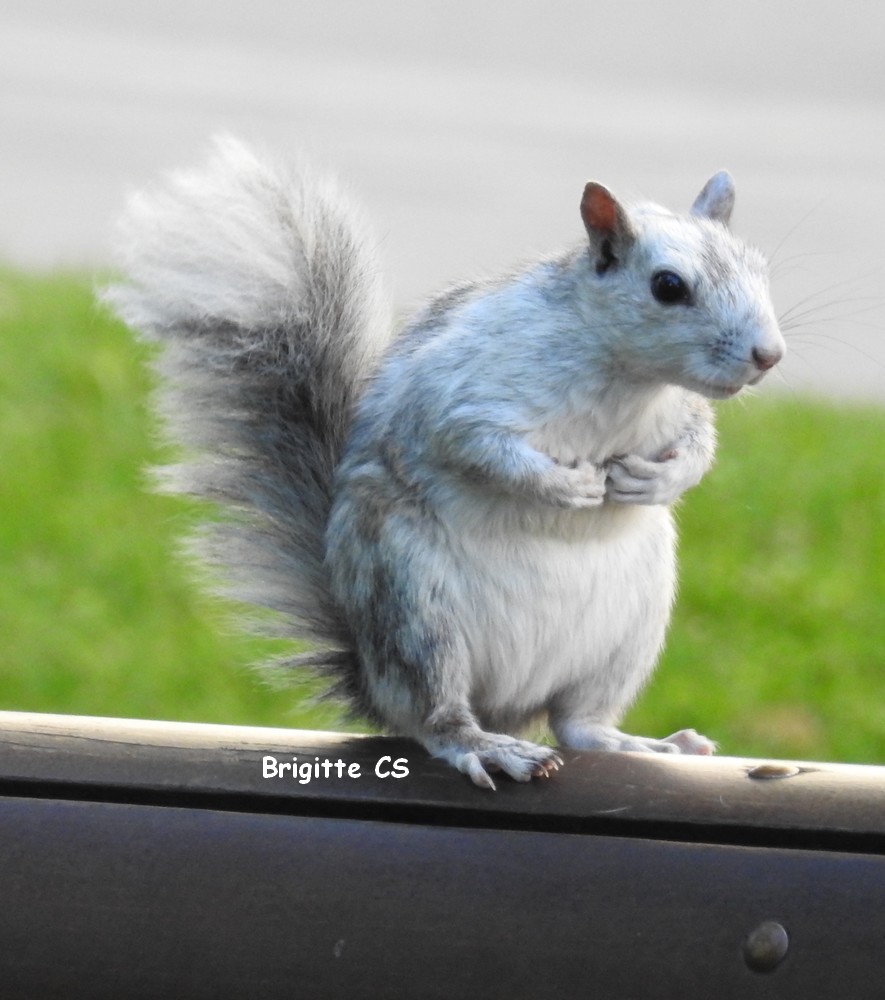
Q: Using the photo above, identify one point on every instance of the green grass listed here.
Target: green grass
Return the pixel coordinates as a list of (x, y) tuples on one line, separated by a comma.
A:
[(776, 647), (99, 615), (778, 643)]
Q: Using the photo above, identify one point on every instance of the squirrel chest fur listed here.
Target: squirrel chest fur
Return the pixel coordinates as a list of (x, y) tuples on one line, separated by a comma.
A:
[(472, 516)]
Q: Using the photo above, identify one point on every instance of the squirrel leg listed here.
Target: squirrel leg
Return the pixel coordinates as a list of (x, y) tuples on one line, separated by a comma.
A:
[(404, 605), (446, 726), (417, 679), (426, 698)]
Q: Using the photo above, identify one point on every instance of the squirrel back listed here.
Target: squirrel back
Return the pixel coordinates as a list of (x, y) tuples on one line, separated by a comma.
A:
[(263, 288)]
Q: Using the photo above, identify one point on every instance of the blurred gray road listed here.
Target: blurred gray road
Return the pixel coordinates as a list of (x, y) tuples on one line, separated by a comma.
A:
[(468, 129)]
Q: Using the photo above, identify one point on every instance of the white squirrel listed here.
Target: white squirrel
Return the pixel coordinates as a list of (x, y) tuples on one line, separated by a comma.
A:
[(470, 517)]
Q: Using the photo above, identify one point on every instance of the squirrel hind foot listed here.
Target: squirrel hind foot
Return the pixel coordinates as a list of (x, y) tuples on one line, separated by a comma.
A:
[(594, 736), (480, 754)]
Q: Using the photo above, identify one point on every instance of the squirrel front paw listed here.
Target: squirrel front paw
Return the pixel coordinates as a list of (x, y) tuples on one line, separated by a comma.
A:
[(581, 484), (632, 479)]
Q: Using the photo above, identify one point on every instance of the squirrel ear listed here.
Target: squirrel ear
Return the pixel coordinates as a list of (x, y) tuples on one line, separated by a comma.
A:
[(716, 200), (607, 225)]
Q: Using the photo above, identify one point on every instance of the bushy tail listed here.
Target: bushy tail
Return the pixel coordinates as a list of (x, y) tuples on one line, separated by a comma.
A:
[(264, 291)]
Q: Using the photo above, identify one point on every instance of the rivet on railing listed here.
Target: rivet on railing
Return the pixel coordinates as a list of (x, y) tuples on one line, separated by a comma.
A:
[(766, 946), (762, 771)]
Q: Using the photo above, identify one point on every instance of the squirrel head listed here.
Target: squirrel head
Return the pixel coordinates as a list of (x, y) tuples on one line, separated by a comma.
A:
[(688, 301)]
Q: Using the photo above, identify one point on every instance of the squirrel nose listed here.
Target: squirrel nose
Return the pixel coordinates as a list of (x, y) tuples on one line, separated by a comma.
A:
[(766, 358)]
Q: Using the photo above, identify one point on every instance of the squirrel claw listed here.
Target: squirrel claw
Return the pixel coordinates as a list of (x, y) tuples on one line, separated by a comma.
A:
[(519, 759), (472, 767), (548, 767)]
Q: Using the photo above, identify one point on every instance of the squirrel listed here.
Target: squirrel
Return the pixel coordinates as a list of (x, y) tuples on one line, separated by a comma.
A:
[(469, 517)]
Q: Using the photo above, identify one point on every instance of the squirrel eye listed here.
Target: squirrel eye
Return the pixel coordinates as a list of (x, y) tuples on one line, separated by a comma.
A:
[(669, 289)]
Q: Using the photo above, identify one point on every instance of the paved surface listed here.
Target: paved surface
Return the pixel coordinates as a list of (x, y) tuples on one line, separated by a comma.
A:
[(468, 130)]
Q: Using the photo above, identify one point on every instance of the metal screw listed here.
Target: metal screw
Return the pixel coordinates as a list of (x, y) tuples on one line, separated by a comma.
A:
[(766, 947), (773, 771)]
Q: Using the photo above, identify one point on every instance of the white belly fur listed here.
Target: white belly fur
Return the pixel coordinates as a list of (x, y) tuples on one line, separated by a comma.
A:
[(580, 600)]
